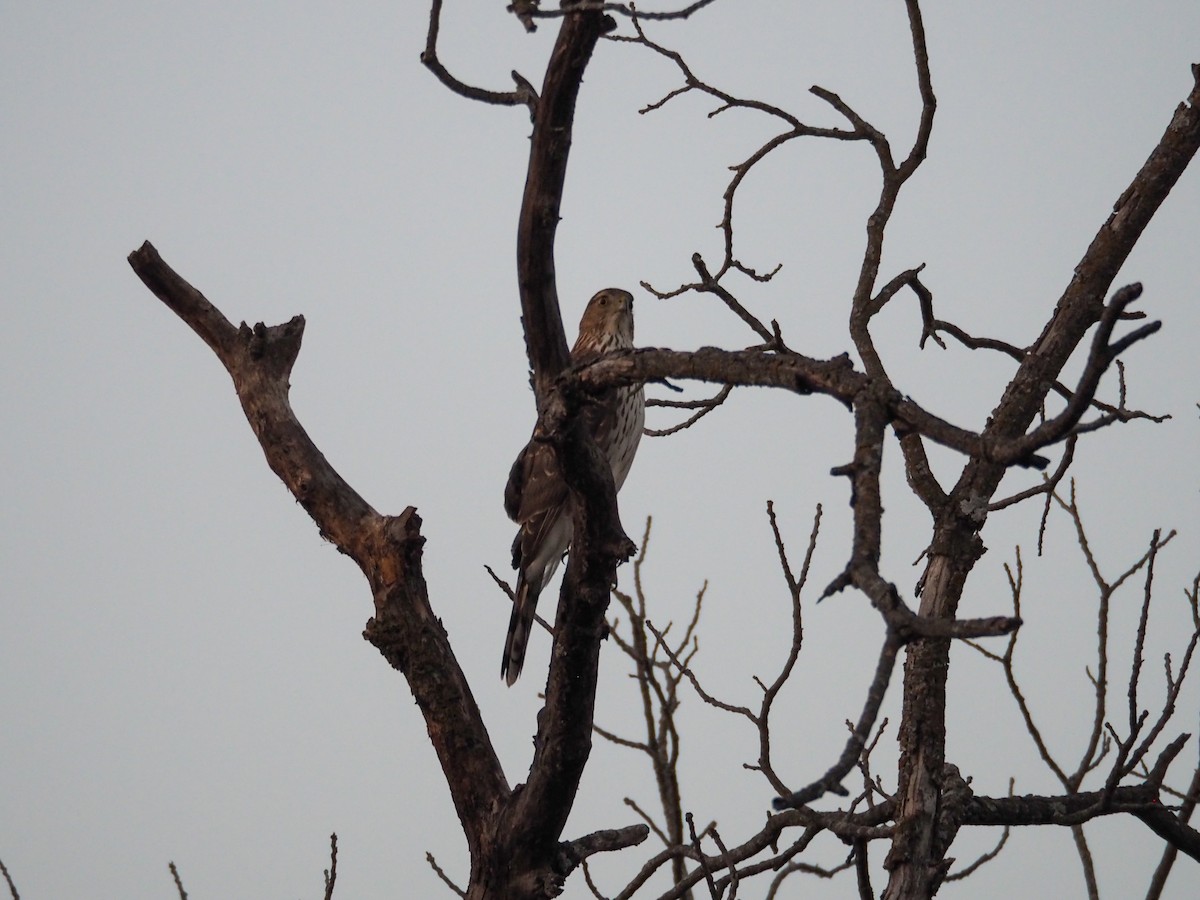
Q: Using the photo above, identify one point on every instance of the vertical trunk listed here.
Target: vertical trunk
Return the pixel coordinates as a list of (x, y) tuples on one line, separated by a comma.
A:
[(915, 862)]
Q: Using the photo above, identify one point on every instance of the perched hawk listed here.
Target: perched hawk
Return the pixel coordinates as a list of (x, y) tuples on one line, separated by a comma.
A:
[(536, 497)]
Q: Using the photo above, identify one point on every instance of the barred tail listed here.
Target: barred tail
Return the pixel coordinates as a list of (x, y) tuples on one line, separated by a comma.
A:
[(519, 626)]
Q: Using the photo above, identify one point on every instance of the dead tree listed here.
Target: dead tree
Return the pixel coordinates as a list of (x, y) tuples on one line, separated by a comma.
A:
[(515, 834)]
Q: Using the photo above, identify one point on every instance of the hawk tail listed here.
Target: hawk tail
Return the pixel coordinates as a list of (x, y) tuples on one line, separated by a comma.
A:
[(519, 626)]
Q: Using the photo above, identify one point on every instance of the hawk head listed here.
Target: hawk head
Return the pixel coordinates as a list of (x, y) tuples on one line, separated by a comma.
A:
[(607, 323)]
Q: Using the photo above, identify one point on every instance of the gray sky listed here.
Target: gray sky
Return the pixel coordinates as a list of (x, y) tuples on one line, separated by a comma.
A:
[(182, 672)]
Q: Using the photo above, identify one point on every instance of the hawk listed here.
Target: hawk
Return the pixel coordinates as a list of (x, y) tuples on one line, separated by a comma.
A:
[(536, 496)]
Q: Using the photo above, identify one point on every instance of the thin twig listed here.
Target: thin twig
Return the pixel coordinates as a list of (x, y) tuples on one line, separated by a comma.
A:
[(691, 676), (175, 875), (650, 823), (704, 408), (727, 862), (983, 859), (442, 875), (12, 888), (703, 860), (504, 586), (523, 95), (587, 878), (331, 872), (831, 781)]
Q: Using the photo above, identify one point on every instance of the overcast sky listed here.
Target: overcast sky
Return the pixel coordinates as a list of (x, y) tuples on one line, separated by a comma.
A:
[(182, 672)]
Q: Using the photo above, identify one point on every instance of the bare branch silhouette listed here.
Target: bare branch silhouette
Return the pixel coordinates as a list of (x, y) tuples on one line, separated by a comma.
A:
[(12, 888), (175, 877)]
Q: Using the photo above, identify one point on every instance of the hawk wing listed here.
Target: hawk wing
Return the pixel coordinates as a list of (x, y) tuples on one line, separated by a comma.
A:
[(537, 498), (535, 489)]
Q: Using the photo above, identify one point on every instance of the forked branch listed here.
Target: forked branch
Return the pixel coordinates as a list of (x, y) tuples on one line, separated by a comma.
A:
[(523, 95), (387, 549)]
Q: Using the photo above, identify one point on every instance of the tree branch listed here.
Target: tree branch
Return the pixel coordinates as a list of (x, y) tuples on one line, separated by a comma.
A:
[(550, 146), (387, 549), (598, 543), (331, 872), (576, 851), (259, 360), (524, 94), (174, 877), (12, 888)]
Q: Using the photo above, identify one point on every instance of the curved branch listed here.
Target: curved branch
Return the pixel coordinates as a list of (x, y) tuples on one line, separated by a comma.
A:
[(831, 781), (550, 146), (796, 129), (925, 85), (932, 327), (524, 94), (260, 360), (702, 407), (386, 548)]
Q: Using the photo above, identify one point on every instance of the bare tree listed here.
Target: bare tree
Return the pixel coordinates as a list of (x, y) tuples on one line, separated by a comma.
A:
[(515, 835)]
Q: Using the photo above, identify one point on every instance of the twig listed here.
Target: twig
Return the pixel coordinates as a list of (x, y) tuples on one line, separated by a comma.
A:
[(1139, 644), (504, 586), (831, 781), (331, 872), (701, 858), (795, 129), (1049, 485), (729, 864), (704, 408), (1117, 413), (658, 685), (983, 859), (795, 585), (12, 888), (691, 676), (524, 94), (870, 787), (1101, 356), (650, 823), (442, 875), (587, 878), (174, 874)]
